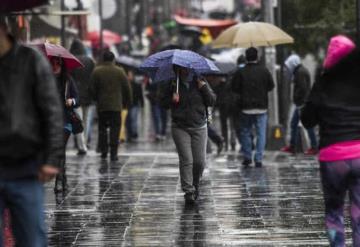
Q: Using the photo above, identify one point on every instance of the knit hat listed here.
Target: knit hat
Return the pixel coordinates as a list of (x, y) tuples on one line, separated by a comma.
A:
[(339, 47)]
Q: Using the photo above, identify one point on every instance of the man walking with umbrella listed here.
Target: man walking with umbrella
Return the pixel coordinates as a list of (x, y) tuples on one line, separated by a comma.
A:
[(253, 83), (188, 96)]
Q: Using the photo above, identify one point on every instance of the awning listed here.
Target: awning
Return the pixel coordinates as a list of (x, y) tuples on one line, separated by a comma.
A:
[(215, 26), (7, 6)]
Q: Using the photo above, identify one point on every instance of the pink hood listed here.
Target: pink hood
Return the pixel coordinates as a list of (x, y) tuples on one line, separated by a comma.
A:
[(339, 47)]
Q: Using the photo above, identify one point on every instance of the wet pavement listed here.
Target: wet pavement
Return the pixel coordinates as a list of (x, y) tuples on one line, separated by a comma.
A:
[(138, 201)]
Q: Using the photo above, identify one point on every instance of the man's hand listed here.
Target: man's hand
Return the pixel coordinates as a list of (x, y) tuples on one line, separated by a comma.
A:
[(201, 83), (176, 98), (47, 172), (69, 102)]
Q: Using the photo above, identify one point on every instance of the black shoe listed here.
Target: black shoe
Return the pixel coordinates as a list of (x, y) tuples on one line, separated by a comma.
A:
[(246, 162), (114, 158), (81, 152), (220, 147), (258, 164), (189, 198), (103, 156)]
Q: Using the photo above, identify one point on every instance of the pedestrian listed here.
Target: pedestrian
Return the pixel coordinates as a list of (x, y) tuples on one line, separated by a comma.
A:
[(189, 126), (252, 83), (31, 137), (158, 113), (111, 92), (137, 103), (302, 85), (334, 105), (81, 77), (69, 95)]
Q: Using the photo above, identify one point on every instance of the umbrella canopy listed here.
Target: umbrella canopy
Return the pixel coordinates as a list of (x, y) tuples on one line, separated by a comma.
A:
[(251, 34), (159, 66), (191, 31), (128, 61), (51, 50), (109, 38), (11, 5)]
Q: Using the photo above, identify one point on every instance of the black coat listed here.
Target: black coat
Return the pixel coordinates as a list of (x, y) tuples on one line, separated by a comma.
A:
[(334, 102), (252, 84), (31, 116), (302, 85), (191, 110)]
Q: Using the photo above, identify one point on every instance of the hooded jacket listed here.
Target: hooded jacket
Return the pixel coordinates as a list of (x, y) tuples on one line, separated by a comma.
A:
[(82, 75), (334, 102), (301, 79)]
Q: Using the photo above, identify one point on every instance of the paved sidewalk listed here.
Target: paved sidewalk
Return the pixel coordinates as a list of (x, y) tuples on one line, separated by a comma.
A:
[(138, 202)]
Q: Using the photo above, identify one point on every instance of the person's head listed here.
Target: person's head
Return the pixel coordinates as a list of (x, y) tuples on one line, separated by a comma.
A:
[(108, 56), (77, 48), (251, 54), (57, 65), (339, 47), (292, 62), (183, 72)]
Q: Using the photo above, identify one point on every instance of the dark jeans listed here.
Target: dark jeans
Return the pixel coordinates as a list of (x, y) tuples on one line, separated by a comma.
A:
[(337, 178), (111, 120), (132, 122), (61, 179), (214, 136), (24, 198), (159, 116), (294, 136)]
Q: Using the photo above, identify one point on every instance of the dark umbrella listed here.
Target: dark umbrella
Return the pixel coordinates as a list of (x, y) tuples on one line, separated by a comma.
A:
[(128, 61), (50, 50), (7, 6), (159, 66)]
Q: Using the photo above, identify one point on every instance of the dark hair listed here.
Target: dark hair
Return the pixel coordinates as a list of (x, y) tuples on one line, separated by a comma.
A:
[(251, 54), (108, 56)]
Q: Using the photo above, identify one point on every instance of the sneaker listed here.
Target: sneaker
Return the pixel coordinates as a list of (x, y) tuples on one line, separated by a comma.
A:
[(103, 156), (288, 149), (114, 158), (258, 164), (311, 151), (246, 162), (189, 198)]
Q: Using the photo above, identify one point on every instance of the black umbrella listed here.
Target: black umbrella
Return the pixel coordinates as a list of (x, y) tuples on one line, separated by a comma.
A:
[(7, 6)]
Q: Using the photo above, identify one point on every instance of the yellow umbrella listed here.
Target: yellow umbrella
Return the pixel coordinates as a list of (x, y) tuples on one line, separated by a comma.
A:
[(252, 34)]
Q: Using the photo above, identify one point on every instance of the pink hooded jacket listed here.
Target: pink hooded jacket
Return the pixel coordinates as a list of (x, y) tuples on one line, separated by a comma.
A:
[(339, 47)]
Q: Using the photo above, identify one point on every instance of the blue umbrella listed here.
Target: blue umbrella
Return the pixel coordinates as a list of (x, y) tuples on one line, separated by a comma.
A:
[(159, 66)]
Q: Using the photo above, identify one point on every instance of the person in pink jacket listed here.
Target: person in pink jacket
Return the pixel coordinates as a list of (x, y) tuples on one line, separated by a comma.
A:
[(334, 105)]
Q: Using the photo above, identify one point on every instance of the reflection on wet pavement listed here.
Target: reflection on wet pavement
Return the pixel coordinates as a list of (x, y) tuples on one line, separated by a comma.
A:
[(137, 201)]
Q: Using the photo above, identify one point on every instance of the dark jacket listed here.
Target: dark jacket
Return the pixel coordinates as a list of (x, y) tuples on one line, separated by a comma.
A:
[(252, 84), (67, 90), (334, 102), (82, 75), (31, 117), (110, 88), (302, 85), (191, 110)]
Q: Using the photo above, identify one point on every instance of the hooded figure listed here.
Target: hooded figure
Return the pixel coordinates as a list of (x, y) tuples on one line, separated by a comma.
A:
[(334, 105), (82, 75)]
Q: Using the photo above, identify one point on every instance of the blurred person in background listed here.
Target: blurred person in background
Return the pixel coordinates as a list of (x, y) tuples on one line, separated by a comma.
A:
[(111, 92), (31, 137), (189, 126), (300, 76), (334, 105), (137, 103), (69, 96), (81, 77)]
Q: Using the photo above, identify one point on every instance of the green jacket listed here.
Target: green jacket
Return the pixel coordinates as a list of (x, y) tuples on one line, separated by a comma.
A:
[(110, 87)]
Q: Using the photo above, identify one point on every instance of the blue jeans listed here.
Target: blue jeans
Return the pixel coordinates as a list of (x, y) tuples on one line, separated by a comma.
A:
[(248, 121), (132, 122), (294, 134), (159, 116), (24, 198)]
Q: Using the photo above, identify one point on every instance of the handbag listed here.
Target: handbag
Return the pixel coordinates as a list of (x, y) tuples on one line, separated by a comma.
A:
[(76, 122)]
